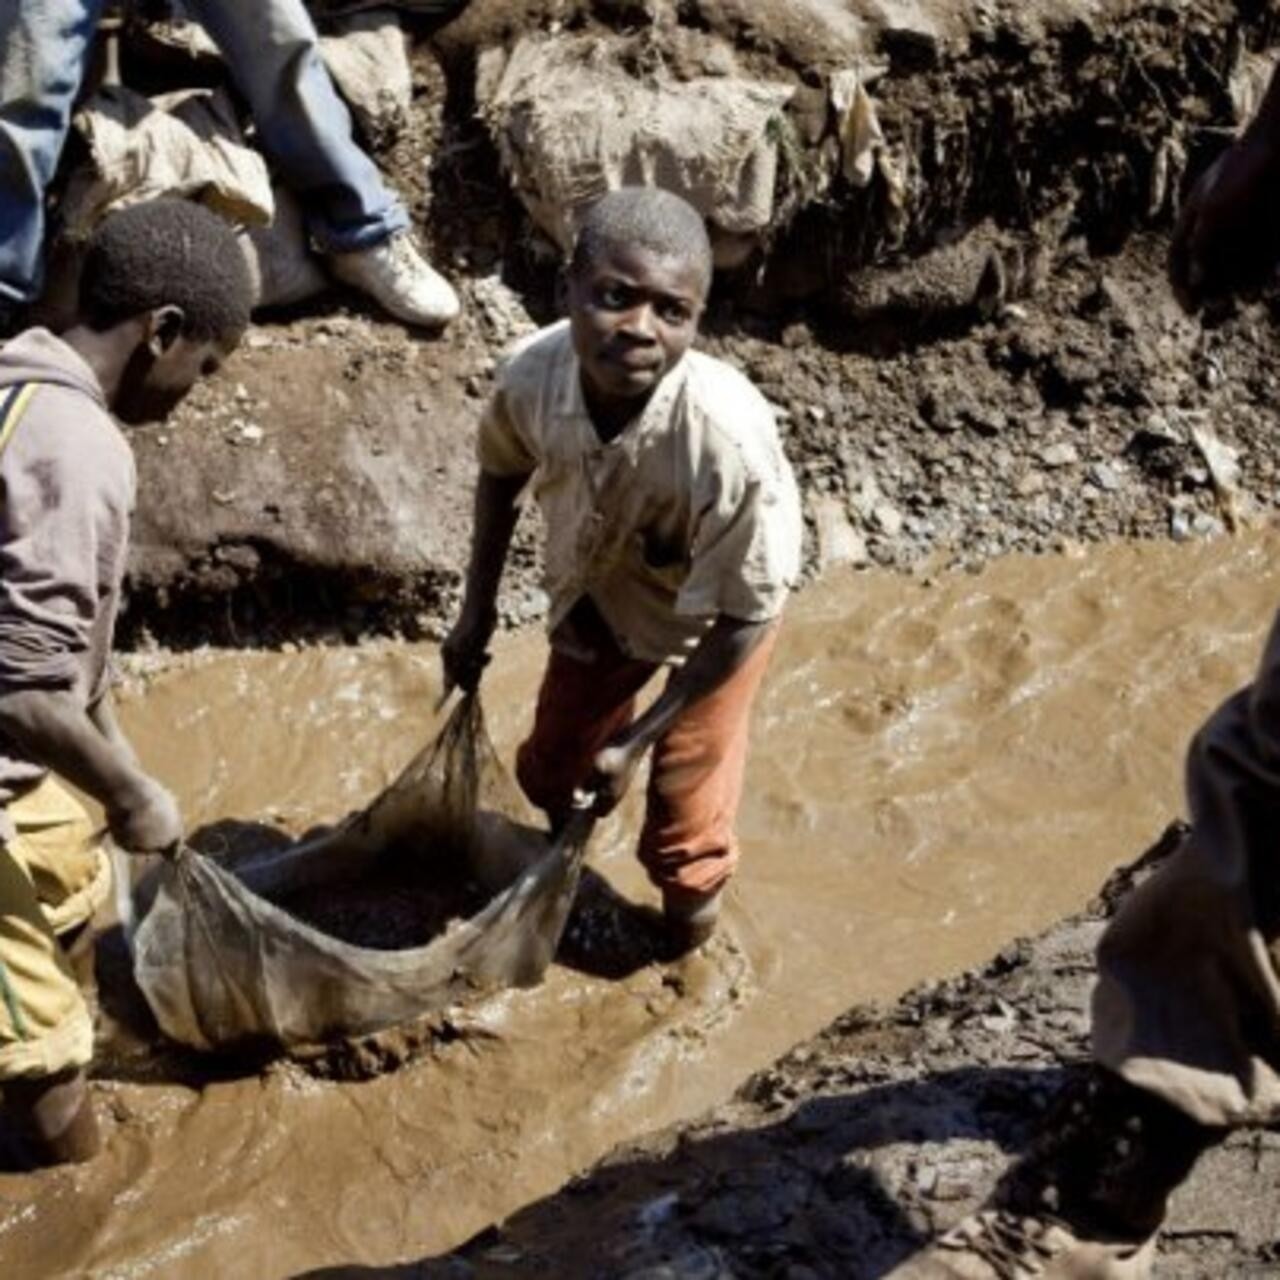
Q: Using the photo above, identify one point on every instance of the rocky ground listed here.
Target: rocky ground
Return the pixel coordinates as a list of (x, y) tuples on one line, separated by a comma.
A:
[(996, 365), (842, 1158)]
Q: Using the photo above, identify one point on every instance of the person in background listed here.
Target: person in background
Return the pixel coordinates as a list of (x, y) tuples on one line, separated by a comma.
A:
[(272, 52), (1186, 1012), (165, 296), (673, 537)]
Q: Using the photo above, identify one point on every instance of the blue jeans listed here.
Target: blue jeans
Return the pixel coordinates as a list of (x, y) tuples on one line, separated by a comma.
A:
[(271, 51)]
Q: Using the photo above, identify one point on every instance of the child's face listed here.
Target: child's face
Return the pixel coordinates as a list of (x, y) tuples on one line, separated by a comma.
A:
[(633, 313)]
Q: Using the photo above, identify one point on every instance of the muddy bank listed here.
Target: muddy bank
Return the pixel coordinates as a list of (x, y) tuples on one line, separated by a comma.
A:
[(849, 1153), (996, 367), (941, 763)]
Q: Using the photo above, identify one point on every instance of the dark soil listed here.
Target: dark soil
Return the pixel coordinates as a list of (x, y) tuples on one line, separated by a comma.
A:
[(848, 1154), (995, 366), (393, 908)]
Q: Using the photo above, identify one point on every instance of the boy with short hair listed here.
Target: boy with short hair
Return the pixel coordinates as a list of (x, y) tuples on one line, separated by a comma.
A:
[(673, 538), (165, 296)]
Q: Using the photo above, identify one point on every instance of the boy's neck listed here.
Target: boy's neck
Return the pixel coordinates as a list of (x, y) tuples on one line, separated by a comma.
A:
[(611, 417), (107, 353)]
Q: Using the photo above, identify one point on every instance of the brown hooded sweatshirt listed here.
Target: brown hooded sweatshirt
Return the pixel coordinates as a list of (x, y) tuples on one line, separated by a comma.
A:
[(67, 486)]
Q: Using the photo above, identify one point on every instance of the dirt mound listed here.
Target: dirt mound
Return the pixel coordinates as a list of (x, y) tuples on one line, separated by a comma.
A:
[(995, 364)]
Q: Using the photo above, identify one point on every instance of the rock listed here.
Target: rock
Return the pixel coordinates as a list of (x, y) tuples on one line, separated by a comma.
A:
[(838, 541), (1105, 476), (888, 519), (324, 496), (1063, 454)]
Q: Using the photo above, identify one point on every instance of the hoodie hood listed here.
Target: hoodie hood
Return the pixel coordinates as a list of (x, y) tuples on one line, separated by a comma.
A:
[(39, 356)]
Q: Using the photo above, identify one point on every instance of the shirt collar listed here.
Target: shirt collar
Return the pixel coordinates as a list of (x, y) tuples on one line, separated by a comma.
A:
[(570, 402)]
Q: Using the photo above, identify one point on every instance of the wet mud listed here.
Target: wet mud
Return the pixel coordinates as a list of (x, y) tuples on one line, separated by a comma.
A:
[(941, 762)]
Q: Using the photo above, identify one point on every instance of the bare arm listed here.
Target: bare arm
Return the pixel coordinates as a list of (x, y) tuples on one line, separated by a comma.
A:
[(55, 731), (496, 511), (103, 715), (720, 653)]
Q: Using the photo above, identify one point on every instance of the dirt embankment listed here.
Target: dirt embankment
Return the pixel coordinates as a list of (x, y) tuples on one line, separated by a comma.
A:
[(993, 365), (844, 1157)]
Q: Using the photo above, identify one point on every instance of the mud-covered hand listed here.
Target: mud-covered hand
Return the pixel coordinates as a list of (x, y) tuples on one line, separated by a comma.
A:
[(465, 652), (145, 818), (612, 773), (1228, 235)]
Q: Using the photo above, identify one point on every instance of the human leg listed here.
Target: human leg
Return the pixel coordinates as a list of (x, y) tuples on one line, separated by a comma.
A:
[(1186, 1030), (689, 844), (46, 1034), (272, 50), (59, 848), (581, 705), (43, 49)]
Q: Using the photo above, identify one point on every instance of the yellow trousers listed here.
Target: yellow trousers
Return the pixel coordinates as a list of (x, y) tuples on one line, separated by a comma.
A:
[(53, 876)]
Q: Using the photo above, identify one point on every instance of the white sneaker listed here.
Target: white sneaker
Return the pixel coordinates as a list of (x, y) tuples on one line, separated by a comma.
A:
[(397, 277)]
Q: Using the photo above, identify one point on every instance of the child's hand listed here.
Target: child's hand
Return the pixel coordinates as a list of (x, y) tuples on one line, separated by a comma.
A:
[(611, 776), (465, 652)]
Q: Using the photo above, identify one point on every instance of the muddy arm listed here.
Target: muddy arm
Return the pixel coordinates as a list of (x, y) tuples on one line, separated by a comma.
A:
[(54, 730), (720, 653), (496, 511)]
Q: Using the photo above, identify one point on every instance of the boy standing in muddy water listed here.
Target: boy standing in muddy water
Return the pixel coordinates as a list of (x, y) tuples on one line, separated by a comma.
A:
[(164, 297), (1186, 1013), (673, 537)]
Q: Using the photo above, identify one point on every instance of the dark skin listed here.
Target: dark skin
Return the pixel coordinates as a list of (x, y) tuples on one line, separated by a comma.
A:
[(1228, 236), (145, 366), (633, 315)]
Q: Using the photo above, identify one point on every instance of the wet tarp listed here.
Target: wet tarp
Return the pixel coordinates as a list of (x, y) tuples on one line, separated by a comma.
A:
[(220, 963)]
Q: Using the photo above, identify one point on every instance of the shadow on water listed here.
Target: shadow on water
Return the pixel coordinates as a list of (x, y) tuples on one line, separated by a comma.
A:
[(802, 1197)]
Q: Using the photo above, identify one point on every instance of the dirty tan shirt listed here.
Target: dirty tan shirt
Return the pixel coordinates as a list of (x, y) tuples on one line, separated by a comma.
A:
[(689, 513)]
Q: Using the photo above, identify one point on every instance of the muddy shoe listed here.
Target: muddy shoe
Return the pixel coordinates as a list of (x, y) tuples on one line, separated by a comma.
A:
[(993, 1245), (1086, 1200), (397, 277), (690, 919), (52, 1121)]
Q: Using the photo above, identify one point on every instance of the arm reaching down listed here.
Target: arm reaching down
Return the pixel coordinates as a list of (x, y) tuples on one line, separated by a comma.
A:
[(54, 730), (720, 653), (465, 651)]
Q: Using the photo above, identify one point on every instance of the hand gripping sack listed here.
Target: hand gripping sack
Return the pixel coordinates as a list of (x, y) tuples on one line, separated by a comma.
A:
[(219, 963)]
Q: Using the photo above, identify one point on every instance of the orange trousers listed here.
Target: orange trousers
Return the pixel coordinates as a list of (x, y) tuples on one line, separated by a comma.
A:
[(688, 843)]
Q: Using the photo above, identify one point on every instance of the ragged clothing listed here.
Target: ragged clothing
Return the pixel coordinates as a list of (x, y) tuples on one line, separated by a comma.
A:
[(54, 874), (67, 488), (1188, 998), (691, 512)]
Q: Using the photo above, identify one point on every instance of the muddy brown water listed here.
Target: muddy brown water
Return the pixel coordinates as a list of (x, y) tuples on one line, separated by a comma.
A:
[(938, 768)]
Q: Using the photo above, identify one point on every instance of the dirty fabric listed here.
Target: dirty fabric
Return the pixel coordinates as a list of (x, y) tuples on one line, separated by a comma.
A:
[(220, 963), (54, 875), (689, 513), (1188, 998), (67, 476), (688, 842), (571, 122), (189, 146)]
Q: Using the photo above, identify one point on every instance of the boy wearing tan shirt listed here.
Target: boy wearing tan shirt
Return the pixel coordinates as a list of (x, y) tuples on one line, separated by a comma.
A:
[(673, 537)]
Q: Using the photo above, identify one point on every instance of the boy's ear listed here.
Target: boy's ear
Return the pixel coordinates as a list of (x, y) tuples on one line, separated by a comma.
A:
[(164, 328)]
